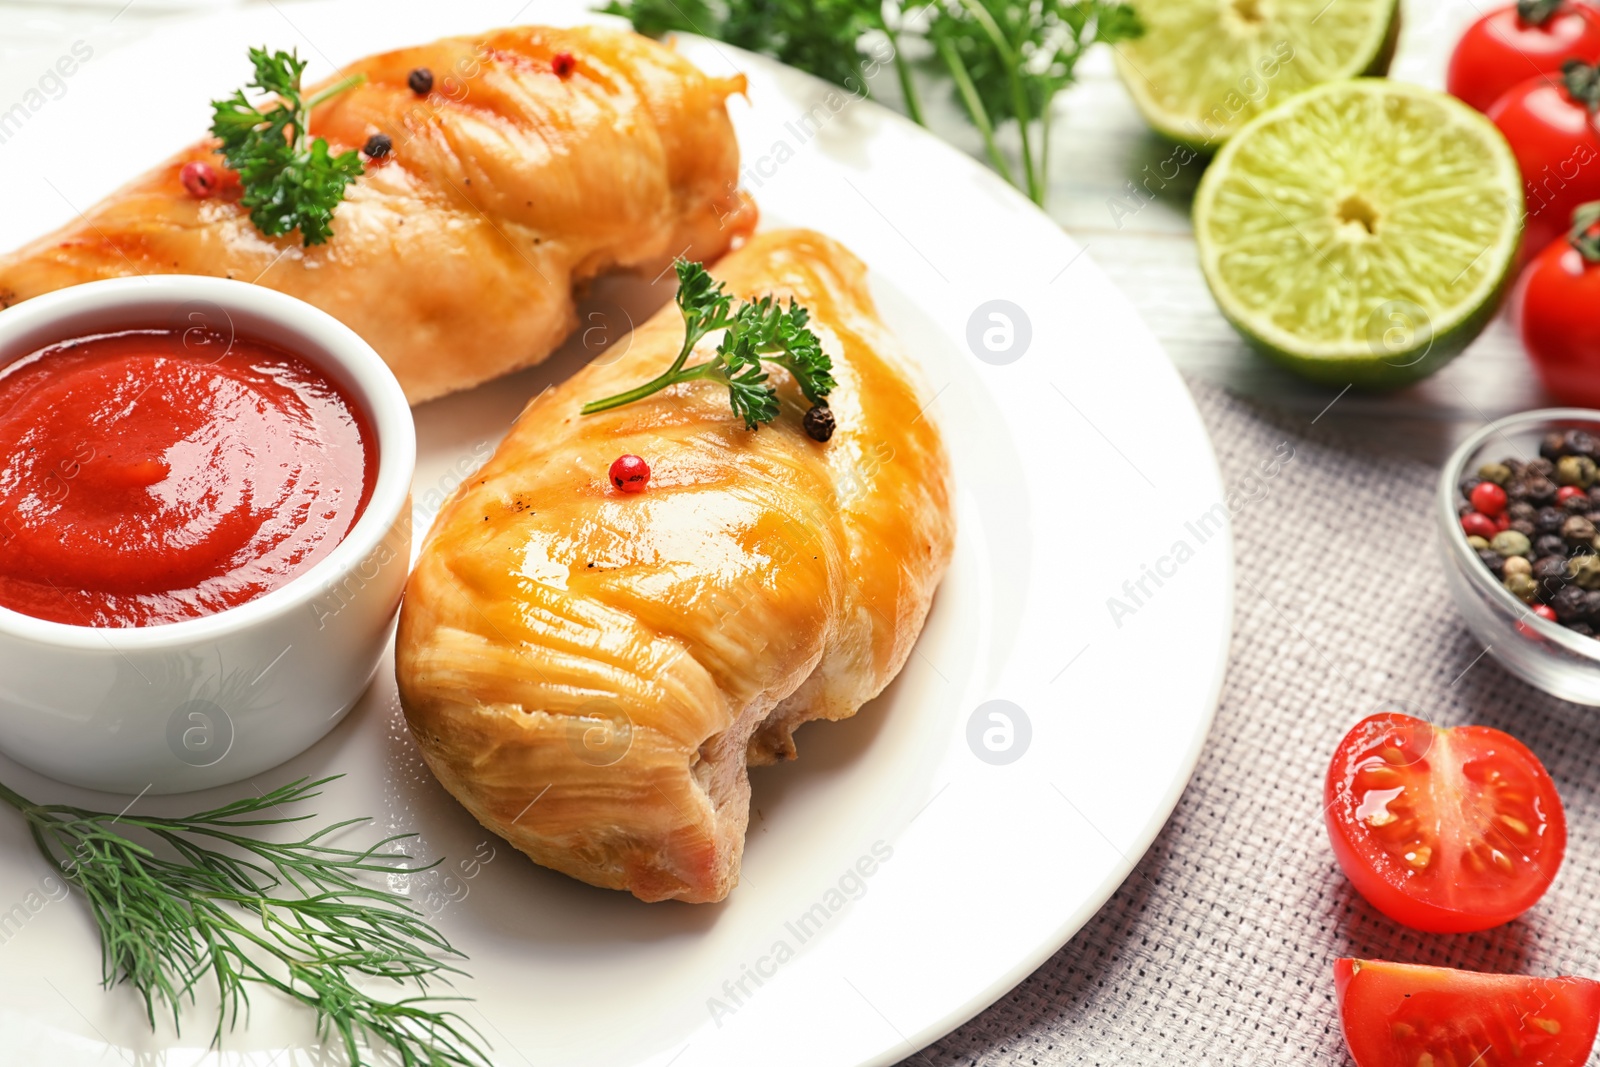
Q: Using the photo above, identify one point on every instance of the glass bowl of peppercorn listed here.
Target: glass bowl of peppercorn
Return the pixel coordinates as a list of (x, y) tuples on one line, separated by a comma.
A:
[(1518, 506)]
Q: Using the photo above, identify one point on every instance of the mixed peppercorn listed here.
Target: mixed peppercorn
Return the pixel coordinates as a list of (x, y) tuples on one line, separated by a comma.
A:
[(1533, 525)]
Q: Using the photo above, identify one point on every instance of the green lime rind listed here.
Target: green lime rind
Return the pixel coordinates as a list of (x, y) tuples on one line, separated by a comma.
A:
[(1362, 233), (1201, 70)]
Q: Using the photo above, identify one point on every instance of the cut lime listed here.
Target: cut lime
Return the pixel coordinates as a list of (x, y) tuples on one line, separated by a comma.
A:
[(1362, 232), (1206, 67)]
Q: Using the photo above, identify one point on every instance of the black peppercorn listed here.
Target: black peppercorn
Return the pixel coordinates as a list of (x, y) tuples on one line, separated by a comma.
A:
[(378, 146), (420, 81), (1538, 468), (1549, 520), (1577, 504), (1551, 574), (1582, 443), (1550, 567), (1581, 628), (1539, 489), (819, 422), (1468, 484), (1549, 544), (1591, 604), (1493, 560), (1578, 530), (1553, 445), (1568, 603), (1522, 526), (1521, 510)]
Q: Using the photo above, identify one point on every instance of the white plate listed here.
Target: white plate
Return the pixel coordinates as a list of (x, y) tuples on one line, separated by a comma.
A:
[(1079, 465)]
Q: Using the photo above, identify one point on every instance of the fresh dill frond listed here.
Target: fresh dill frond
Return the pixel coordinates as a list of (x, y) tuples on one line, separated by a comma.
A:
[(207, 900)]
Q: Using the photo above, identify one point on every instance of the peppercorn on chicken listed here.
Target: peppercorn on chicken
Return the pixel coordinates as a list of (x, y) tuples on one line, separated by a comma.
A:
[(533, 160), (591, 671)]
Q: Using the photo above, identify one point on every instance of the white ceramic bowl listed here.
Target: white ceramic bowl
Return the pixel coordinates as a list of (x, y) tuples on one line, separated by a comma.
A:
[(212, 700)]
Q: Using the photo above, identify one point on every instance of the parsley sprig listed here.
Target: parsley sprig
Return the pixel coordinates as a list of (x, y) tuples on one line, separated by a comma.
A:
[(290, 181), (1002, 60), (758, 332), (202, 900)]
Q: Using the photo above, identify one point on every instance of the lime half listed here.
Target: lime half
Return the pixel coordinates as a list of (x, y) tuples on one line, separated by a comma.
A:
[(1206, 67), (1363, 232)]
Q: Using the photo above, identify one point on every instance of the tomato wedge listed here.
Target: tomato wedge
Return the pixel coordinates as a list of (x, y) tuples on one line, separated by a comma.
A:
[(1395, 1015), (1444, 830)]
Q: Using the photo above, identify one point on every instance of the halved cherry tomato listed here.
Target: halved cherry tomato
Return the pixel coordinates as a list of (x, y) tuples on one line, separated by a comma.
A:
[(1396, 1015), (1445, 830), (1557, 147), (1555, 307), (1513, 43)]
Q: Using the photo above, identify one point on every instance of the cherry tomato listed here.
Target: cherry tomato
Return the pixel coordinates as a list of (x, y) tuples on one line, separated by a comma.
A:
[(1555, 308), (1444, 830), (1558, 150), (1396, 1015), (1508, 45)]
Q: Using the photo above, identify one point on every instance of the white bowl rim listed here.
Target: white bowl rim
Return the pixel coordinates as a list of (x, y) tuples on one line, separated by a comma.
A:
[(325, 339), (1452, 473)]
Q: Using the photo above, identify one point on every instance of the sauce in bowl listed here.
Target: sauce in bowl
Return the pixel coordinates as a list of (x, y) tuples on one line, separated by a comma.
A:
[(143, 481)]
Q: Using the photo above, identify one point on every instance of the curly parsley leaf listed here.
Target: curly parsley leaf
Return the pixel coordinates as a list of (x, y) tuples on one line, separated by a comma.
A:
[(762, 331), (289, 181)]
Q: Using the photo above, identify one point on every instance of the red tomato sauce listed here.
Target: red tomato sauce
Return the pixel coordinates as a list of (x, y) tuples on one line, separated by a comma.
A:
[(143, 482)]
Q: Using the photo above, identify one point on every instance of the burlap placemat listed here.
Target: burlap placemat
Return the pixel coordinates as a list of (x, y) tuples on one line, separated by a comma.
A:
[(1218, 949)]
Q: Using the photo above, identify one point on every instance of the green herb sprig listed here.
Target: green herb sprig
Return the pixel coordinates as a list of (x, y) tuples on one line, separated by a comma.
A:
[(297, 917), (1004, 60), (759, 332), (290, 181)]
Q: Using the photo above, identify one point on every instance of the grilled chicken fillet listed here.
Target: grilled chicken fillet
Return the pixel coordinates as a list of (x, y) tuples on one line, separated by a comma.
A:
[(591, 672), (456, 255)]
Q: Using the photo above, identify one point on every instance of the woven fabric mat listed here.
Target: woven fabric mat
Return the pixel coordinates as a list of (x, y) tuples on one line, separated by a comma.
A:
[(1218, 949)]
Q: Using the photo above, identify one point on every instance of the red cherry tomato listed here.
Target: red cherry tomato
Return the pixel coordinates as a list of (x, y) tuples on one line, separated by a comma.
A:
[(1503, 48), (630, 474), (1558, 150), (1444, 830), (1489, 499), (1555, 307), (1396, 1015)]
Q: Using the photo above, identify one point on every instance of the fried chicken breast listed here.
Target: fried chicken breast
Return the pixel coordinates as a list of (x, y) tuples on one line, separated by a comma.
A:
[(456, 253), (591, 672)]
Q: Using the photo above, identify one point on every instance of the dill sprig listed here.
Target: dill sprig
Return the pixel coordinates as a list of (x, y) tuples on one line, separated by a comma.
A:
[(298, 917), (760, 331)]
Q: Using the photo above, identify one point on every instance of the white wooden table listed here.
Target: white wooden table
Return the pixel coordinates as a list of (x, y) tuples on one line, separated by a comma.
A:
[(1099, 145)]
